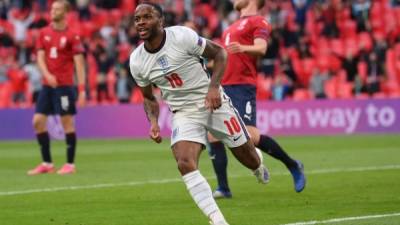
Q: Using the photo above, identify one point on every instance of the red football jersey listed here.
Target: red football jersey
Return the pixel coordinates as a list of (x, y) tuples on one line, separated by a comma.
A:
[(241, 67), (60, 48)]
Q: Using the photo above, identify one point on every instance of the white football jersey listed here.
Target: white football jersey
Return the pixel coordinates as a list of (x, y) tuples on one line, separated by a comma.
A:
[(176, 68)]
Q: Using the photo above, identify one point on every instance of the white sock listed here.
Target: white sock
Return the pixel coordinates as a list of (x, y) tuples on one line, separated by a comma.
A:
[(201, 193)]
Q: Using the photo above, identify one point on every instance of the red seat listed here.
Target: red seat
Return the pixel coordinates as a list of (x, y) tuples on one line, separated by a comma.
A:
[(352, 45), (137, 96), (348, 28), (365, 40), (301, 94), (362, 69), (5, 95), (263, 87), (345, 90), (337, 47), (331, 88)]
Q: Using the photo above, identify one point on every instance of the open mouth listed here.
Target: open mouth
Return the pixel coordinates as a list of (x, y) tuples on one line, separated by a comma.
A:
[(143, 31)]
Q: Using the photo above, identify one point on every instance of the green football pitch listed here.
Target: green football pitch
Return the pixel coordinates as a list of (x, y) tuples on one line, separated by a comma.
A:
[(351, 180)]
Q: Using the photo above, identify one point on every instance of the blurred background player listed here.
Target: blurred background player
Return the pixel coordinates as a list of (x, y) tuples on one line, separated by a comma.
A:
[(59, 49), (245, 40), (170, 59)]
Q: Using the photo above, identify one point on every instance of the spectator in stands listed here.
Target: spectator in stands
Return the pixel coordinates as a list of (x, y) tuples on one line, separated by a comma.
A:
[(6, 40), (4, 8), (395, 3), (3, 71), (301, 7), (42, 5), (18, 81), (281, 87), (21, 22), (328, 18), (109, 33), (317, 83), (286, 67), (349, 64), (104, 65), (23, 4), (375, 75), (107, 4), (360, 12), (83, 9), (269, 59), (123, 92), (380, 48), (35, 78), (304, 48)]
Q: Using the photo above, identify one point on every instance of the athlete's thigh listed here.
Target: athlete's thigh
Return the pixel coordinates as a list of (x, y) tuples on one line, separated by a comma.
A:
[(188, 151), (243, 98), (188, 127), (65, 100), (44, 103), (226, 125)]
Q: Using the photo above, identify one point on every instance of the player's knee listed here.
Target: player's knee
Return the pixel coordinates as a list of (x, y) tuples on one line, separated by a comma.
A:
[(68, 124), (38, 124), (255, 135), (186, 165)]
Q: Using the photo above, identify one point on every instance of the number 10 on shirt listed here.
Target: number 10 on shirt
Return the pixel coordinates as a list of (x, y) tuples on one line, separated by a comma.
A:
[(174, 80)]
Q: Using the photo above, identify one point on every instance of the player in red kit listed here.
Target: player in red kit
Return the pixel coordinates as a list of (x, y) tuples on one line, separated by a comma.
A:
[(59, 49), (245, 40)]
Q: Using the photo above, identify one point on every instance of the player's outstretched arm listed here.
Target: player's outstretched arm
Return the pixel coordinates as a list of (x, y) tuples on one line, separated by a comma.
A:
[(219, 55), (152, 109)]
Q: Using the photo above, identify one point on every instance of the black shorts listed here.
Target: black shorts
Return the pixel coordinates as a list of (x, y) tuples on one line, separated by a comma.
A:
[(244, 100), (60, 101)]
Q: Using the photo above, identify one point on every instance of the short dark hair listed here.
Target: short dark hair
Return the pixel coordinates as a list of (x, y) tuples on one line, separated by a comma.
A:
[(156, 6)]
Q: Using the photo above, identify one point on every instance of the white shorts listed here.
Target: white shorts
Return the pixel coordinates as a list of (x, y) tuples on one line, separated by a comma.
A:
[(224, 124)]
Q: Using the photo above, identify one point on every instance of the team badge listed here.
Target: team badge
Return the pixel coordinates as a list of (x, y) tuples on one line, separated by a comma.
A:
[(163, 62), (63, 41), (242, 24)]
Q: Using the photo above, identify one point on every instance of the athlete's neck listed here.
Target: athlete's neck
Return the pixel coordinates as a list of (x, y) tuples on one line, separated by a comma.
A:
[(156, 42), (59, 25), (249, 10)]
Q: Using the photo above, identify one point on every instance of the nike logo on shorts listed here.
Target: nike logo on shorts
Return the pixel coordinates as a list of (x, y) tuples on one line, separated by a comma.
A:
[(237, 138)]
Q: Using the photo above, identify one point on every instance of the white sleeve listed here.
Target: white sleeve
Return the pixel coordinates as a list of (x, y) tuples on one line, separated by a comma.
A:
[(192, 42), (135, 72)]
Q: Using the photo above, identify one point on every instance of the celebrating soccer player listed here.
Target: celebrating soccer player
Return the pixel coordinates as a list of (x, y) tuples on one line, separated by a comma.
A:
[(170, 58), (59, 48)]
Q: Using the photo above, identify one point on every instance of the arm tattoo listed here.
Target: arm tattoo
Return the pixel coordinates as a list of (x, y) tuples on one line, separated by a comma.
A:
[(219, 55), (151, 108)]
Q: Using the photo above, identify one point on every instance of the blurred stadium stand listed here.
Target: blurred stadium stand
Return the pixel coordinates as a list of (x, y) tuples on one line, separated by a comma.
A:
[(336, 49)]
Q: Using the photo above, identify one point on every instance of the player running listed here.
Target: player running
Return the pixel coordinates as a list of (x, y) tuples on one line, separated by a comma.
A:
[(170, 59)]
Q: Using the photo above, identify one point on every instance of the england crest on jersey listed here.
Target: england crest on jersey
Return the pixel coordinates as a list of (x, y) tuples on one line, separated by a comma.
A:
[(163, 62)]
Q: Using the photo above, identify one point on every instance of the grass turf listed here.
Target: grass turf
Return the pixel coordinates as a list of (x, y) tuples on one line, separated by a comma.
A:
[(135, 182)]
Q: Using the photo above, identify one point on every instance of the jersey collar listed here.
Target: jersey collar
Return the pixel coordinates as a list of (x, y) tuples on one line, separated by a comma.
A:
[(159, 47)]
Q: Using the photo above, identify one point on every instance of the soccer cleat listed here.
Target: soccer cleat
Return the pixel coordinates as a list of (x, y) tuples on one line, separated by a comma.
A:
[(299, 178), (66, 169), (262, 174), (41, 169), (218, 194)]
